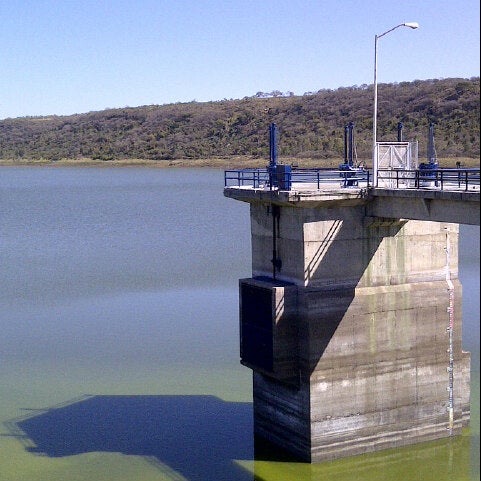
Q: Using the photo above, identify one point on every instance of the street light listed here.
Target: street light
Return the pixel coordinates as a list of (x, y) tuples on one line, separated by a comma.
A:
[(374, 126)]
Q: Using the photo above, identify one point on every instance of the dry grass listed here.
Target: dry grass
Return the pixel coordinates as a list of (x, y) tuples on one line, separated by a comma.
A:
[(239, 162)]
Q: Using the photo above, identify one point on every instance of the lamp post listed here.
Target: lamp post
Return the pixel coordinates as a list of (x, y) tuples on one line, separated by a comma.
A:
[(374, 123)]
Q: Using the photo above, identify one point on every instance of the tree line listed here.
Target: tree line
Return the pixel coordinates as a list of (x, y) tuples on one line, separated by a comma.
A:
[(310, 125)]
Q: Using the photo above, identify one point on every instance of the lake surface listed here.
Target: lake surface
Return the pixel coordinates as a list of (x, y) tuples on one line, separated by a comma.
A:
[(119, 336)]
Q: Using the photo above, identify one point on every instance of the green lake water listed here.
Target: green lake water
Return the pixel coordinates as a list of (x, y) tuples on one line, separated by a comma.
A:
[(119, 348)]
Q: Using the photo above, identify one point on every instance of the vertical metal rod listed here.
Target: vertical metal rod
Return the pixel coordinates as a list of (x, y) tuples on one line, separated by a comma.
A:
[(273, 145), (431, 149), (272, 155), (276, 262), (274, 245), (351, 142)]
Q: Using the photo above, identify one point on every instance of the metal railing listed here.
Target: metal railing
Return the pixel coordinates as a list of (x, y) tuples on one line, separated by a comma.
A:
[(441, 179), (255, 178), (264, 178)]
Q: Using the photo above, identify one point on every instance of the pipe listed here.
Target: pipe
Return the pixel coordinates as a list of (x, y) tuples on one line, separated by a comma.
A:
[(431, 149), (276, 262), (273, 155), (351, 143), (273, 145)]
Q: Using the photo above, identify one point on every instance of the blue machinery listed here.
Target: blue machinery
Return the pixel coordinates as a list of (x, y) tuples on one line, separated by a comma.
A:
[(399, 131), (348, 172), (348, 147), (273, 150), (429, 169), (282, 176)]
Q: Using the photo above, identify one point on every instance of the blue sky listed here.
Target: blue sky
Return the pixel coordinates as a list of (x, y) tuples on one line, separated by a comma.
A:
[(75, 56)]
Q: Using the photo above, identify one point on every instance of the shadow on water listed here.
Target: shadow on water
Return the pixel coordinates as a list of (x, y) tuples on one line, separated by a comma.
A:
[(200, 437)]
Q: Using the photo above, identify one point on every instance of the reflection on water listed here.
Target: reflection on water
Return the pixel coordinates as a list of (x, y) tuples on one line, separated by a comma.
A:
[(438, 460), (119, 289)]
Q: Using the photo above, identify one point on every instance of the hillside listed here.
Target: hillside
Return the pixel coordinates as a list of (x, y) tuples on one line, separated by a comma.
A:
[(310, 126)]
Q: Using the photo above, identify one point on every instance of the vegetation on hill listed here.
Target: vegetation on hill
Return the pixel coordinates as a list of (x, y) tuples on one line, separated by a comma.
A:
[(310, 126)]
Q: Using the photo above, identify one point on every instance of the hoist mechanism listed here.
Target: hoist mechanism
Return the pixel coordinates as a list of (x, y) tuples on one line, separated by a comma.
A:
[(273, 154), (347, 170), (280, 175), (429, 168), (348, 147), (399, 131)]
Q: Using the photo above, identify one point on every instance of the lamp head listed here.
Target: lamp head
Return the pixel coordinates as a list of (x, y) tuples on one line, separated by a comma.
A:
[(411, 24)]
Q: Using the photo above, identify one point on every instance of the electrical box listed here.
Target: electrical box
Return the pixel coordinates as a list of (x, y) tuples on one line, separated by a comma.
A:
[(268, 328)]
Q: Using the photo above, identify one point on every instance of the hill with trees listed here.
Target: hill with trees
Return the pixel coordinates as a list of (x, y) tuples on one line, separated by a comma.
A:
[(310, 125)]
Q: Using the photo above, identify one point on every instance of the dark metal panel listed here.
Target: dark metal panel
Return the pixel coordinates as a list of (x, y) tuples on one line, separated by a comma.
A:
[(256, 343)]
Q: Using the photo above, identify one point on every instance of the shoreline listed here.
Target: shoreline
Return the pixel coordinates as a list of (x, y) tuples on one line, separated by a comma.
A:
[(240, 162)]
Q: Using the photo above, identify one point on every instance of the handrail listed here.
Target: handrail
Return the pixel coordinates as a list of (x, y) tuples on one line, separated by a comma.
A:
[(263, 178), (441, 179)]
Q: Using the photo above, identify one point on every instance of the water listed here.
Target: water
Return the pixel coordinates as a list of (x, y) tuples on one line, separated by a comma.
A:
[(119, 347)]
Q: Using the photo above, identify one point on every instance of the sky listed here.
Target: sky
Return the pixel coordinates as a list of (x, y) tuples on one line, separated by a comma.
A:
[(76, 56)]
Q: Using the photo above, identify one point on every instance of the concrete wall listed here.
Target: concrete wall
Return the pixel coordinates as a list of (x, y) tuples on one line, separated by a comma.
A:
[(429, 205), (371, 331)]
